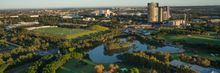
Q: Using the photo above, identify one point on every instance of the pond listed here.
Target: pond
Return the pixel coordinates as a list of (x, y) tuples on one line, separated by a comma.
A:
[(100, 55)]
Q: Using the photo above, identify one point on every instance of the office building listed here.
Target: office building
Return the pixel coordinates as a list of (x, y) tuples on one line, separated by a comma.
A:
[(153, 12), (157, 13)]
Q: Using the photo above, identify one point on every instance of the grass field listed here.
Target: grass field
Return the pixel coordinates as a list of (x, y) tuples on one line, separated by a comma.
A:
[(202, 53), (194, 39), (64, 32), (69, 33), (19, 69), (59, 31), (74, 66)]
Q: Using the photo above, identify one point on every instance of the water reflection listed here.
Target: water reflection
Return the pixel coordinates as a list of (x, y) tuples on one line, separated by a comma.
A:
[(100, 55)]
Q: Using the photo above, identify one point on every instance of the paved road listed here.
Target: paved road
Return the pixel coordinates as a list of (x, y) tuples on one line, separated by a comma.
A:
[(16, 45), (195, 67)]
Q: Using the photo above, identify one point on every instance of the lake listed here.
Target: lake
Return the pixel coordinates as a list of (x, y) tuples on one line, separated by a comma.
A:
[(100, 55)]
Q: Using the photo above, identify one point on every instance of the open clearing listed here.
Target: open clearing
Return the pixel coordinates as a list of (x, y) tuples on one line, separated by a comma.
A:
[(64, 32), (194, 39), (75, 66), (211, 40)]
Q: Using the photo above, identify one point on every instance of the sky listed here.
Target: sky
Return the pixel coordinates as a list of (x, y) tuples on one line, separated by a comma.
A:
[(5, 4)]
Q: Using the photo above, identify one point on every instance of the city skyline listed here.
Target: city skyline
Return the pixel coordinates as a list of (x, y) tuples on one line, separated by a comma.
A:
[(9, 4)]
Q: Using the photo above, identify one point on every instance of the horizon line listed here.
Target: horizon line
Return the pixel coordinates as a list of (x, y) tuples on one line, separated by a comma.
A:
[(99, 7)]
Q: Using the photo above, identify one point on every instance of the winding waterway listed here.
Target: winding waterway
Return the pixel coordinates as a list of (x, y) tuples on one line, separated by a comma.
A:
[(100, 55)]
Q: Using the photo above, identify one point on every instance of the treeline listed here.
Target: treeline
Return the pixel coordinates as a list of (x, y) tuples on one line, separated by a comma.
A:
[(94, 39), (37, 66), (20, 60), (200, 61), (117, 45), (61, 60), (20, 55), (213, 27), (195, 60), (26, 38), (53, 66), (164, 57), (113, 68), (50, 63), (185, 31), (16, 53), (210, 47), (153, 39), (144, 60)]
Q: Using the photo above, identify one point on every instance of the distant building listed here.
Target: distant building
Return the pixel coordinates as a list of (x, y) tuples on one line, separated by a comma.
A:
[(166, 13), (153, 12), (20, 24), (176, 23), (67, 17), (89, 19), (157, 13), (106, 20), (77, 17), (198, 21), (14, 16), (34, 16), (105, 13), (215, 20)]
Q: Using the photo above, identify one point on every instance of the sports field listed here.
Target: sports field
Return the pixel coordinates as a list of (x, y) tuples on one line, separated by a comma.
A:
[(64, 32), (69, 33)]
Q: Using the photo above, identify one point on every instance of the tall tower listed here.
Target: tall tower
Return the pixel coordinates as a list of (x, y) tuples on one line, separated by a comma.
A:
[(161, 16), (166, 13), (153, 12)]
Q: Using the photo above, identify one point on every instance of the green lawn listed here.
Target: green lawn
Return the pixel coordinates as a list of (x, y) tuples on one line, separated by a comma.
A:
[(202, 53), (194, 39), (19, 69), (64, 32), (69, 33), (74, 66)]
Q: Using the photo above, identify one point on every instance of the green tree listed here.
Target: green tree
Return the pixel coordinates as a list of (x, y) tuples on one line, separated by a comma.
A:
[(99, 68), (1, 61), (134, 70)]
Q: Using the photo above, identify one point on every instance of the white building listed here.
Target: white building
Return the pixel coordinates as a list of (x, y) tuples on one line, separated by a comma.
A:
[(106, 20), (176, 22), (20, 24), (106, 13), (34, 16), (89, 19), (67, 17), (215, 20), (14, 16)]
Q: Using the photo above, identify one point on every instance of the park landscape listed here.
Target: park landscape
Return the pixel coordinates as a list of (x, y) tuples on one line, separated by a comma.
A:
[(117, 38), (114, 48)]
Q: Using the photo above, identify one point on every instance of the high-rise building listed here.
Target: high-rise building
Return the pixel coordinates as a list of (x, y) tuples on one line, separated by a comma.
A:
[(157, 13), (166, 13), (153, 12), (161, 14)]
